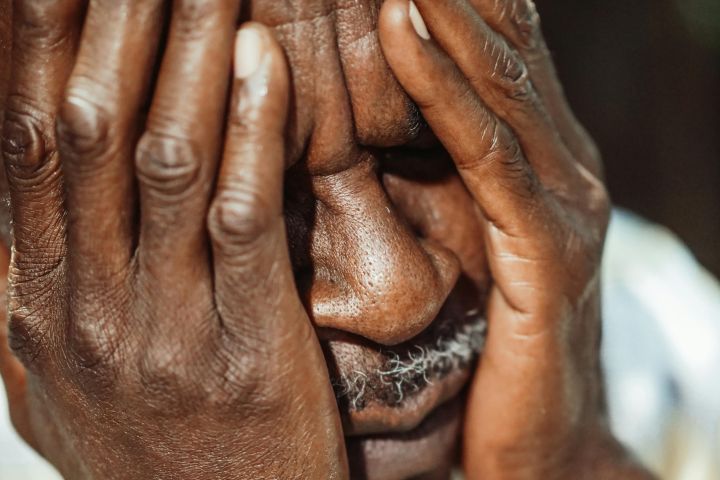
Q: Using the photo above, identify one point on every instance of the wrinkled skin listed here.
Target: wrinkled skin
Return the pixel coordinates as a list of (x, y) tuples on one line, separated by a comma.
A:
[(155, 309)]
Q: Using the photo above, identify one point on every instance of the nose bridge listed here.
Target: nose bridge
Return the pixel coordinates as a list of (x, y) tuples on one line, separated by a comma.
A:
[(373, 277)]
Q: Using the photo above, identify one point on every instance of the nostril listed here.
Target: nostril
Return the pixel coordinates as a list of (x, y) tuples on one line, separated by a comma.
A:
[(447, 267)]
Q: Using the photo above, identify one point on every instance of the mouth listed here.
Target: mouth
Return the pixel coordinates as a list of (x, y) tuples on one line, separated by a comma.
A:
[(393, 390)]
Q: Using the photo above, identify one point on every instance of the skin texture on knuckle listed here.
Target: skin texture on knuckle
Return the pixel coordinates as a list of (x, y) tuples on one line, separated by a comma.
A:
[(93, 359), (83, 132), (513, 77), (28, 336), (33, 303), (169, 165), (26, 148), (179, 380), (27, 138), (241, 217), (507, 164), (170, 386), (96, 336), (525, 20), (495, 141), (91, 341)]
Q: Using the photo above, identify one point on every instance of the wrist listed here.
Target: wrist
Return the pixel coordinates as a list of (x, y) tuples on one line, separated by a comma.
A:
[(604, 457), (597, 455)]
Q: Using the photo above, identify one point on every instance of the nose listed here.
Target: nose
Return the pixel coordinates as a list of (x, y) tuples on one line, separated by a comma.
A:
[(372, 276)]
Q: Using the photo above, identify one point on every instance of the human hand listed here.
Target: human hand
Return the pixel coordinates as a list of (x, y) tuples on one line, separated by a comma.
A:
[(483, 78), (152, 348)]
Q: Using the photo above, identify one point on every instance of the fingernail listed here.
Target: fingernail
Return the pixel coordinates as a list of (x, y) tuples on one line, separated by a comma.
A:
[(248, 53), (417, 22)]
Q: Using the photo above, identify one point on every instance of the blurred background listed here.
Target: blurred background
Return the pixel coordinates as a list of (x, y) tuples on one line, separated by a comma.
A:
[(644, 78)]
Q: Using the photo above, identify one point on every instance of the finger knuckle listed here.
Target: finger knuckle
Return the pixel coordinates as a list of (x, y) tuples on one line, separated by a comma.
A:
[(93, 345), (27, 335), (169, 165), (513, 169), (513, 77), (168, 382), (82, 132), (95, 339), (600, 205), (25, 144), (502, 157), (526, 23), (240, 217), (504, 161), (495, 138)]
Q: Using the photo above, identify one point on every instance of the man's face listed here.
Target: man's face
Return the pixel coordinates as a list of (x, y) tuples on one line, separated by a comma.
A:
[(385, 241)]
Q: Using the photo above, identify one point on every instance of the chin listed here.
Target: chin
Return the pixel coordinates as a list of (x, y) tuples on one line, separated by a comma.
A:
[(428, 451)]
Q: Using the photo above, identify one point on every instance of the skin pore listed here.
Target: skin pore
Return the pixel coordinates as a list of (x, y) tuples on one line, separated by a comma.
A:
[(378, 198)]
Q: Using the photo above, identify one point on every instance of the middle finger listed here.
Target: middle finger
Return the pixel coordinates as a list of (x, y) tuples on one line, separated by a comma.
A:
[(177, 155)]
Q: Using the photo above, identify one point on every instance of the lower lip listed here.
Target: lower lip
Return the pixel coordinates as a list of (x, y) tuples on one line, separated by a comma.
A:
[(429, 449), (386, 419)]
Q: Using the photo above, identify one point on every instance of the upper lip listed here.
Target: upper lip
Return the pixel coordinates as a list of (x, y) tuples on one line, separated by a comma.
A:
[(378, 416)]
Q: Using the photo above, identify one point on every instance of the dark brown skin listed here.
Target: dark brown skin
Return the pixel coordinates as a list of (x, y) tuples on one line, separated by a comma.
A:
[(157, 313)]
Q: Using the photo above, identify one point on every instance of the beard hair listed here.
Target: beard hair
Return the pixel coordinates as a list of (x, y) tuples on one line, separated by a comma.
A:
[(457, 345)]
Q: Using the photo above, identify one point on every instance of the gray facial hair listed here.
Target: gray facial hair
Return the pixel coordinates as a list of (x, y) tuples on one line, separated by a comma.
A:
[(456, 347)]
